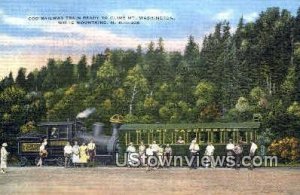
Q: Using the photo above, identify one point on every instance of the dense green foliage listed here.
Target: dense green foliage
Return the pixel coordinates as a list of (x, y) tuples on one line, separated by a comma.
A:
[(254, 72)]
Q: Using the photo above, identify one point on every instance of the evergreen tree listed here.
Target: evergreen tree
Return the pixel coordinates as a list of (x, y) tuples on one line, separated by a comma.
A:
[(149, 69), (297, 71), (191, 51), (50, 77), (82, 69), (296, 27), (97, 61), (8, 81), (175, 60), (139, 54), (240, 46), (192, 57), (273, 32), (66, 73), (296, 54), (31, 82), (161, 65), (21, 78), (40, 79), (210, 52)]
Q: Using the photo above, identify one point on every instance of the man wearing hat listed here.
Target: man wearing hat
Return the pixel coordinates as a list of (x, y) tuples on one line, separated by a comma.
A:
[(4, 155)]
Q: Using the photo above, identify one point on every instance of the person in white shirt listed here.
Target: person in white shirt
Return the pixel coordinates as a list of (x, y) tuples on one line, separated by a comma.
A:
[(229, 151), (68, 150), (168, 153), (75, 151), (43, 153), (91, 148), (149, 154), (229, 147), (155, 148), (194, 149), (149, 151), (4, 155), (209, 152), (130, 149), (253, 149)]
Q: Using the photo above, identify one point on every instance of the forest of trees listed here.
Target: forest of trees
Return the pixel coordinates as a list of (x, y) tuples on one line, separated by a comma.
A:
[(253, 73)]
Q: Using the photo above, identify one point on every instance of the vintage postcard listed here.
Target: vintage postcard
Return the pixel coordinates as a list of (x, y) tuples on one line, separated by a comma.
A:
[(150, 97)]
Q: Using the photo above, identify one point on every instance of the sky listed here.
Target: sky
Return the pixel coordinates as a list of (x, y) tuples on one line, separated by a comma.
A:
[(28, 41)]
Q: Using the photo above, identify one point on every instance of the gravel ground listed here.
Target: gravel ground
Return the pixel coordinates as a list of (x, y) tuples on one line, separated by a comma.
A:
[(113, 180)]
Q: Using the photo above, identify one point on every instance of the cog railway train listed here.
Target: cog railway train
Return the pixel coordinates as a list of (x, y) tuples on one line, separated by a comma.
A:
[(108, 145)]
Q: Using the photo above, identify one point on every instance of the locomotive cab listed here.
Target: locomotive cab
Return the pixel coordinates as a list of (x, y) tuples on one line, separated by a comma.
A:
[(61, 130), (57, 135)]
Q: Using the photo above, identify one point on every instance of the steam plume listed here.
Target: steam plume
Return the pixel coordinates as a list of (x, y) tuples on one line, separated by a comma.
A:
[(86, 113)]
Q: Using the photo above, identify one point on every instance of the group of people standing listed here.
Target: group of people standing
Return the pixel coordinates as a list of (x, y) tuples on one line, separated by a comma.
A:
[(81, 155), (145, 152), (78, 155), (237, 151), (195, 150), (232, 150)]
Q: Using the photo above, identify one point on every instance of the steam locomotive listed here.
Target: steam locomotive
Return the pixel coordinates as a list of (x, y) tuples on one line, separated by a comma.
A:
[(59, 133)]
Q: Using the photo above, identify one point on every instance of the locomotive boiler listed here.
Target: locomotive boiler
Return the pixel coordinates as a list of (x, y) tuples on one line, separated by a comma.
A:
[(106, 145), (59, 133)]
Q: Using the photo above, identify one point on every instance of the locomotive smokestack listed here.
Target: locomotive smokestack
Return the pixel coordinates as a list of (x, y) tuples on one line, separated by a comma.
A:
[(97, 129), (116, 127), (86, 113)]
